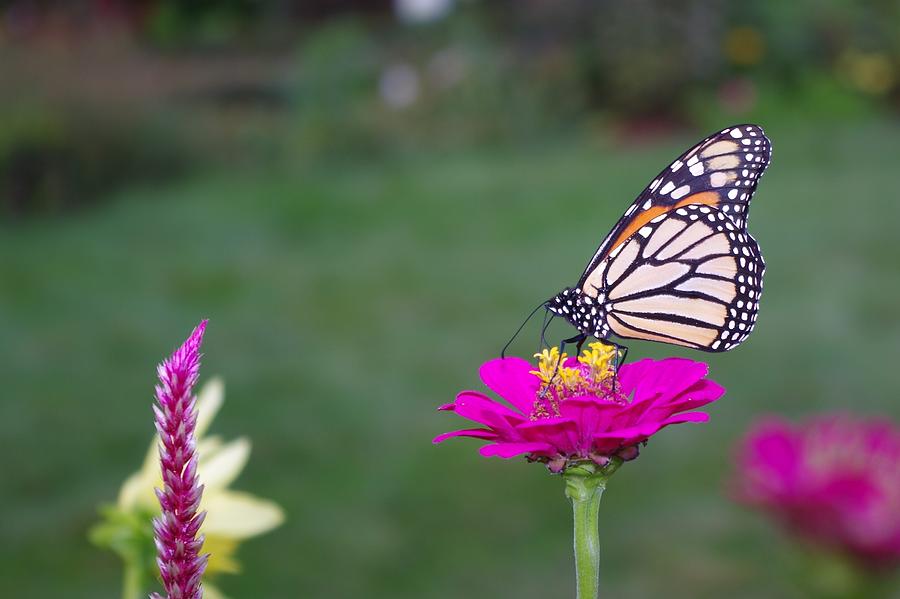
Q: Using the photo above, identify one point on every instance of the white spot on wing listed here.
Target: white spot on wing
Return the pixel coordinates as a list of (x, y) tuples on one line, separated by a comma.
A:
[(669, 186), (681, 192), (718, 179)]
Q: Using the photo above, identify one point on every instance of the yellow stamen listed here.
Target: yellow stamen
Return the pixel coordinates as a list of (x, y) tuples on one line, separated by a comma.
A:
[(554, 375), (549, 361), (599, 358)]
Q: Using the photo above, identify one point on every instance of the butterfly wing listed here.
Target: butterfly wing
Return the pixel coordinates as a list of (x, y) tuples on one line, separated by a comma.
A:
[(722, 171), (688, 277)]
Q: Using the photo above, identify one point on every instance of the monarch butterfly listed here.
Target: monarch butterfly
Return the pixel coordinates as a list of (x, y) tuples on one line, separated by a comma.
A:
[(680, 267)]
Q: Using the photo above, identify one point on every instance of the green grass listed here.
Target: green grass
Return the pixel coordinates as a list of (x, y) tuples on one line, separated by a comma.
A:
[(347, 301)]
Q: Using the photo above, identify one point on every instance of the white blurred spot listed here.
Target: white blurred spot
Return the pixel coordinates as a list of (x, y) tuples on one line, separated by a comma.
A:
[(399, 85), (422, 11)]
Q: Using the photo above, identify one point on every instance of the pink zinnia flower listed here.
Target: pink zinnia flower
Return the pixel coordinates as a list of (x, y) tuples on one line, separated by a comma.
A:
[(833, 480), (575, 410), (176, 530)]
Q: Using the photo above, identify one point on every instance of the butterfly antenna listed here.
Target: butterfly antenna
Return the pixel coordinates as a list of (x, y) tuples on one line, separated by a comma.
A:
[(522, 326), (548, 318)]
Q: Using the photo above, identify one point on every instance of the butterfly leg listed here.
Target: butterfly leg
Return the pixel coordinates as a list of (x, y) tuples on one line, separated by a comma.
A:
[(618, 362), (580, 344), (578, 339), (618, 349)]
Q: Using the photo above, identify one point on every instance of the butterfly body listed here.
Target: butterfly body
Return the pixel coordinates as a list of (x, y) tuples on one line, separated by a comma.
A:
[(680, 267)]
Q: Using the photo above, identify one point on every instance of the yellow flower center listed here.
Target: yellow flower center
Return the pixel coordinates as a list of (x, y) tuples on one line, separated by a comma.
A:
[(558, 382)]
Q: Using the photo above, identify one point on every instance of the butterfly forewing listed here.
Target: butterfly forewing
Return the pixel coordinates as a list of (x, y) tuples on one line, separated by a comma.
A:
[(722, 171)]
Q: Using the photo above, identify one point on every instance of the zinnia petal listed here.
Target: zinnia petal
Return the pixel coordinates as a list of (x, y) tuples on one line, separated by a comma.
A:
[(510, 450), (594, 415), (484, 410), (697, 395), (659, 407), (561, 433), (510, 378), (645, 430), (475, 433), (649, 378)]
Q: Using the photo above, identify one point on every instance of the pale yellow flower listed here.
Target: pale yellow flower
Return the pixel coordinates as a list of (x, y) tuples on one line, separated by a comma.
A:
[(231, 516)]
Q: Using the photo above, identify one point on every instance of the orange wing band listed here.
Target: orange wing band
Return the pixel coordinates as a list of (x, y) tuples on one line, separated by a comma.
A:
[(710, 198)]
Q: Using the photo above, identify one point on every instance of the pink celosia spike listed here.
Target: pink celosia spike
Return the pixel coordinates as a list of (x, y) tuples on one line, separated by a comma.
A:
[(175, 530)]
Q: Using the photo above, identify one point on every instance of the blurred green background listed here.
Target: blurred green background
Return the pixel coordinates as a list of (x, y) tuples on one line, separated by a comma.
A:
[(366, 198)]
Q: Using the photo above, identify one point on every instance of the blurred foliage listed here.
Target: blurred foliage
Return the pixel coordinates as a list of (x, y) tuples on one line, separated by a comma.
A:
[(457, 85), (493, 71), (172, 24), (54, 158), (261, 82)]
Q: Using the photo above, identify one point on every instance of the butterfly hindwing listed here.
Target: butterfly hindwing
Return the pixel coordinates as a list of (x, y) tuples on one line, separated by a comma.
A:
[(689, 277)]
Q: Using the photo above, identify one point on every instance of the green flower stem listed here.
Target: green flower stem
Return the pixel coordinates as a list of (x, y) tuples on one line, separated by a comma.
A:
[(585, 484), (133, 587)]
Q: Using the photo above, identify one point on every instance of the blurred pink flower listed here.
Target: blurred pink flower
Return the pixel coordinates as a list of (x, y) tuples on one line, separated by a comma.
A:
[(580, 411), (833, 480)]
